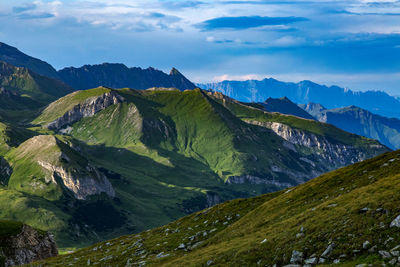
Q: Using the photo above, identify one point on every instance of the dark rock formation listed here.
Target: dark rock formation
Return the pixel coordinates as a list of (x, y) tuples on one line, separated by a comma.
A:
[(26, 246)]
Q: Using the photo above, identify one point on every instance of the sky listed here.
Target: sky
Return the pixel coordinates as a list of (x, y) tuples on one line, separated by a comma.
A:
[(353, 44)]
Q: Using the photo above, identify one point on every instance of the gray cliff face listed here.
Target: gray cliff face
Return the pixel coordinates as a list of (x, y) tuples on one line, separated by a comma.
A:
[(87, 109), (27, 246), (332, 155), (80, 184), (320, 154), (64, 166)]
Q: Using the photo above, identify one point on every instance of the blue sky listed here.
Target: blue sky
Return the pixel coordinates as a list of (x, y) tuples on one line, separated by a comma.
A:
[(354, 44)]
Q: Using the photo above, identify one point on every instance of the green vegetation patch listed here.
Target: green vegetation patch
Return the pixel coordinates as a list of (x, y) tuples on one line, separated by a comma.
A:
[(9, 228)]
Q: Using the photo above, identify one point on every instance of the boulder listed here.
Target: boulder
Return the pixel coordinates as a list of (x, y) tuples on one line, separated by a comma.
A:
[(297, 257), (328, 250), (395, 222)]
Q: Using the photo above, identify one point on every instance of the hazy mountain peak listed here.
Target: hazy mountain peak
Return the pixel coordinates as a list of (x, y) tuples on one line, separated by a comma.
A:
[(175, 72), (285, 106), (307, 91)]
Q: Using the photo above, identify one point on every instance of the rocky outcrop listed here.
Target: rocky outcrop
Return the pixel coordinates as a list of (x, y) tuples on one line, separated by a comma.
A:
[(27, 246), (80, 184), (333, 155), (86, 109), (5, 171), (61, 165)]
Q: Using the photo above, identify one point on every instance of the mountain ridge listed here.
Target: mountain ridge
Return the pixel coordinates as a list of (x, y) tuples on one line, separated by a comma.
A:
[(306, 91), (117, 75), (17, 58)]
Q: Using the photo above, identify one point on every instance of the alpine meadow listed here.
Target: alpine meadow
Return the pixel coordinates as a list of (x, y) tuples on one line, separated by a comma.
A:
[(274, 144)]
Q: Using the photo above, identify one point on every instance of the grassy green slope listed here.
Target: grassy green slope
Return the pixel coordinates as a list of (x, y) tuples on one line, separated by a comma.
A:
[(346, 207), (62, 105), (167, 153), (188, 123)]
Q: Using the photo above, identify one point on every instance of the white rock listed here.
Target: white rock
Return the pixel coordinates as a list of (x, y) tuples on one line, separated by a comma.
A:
[(395, 222), (311, 261), (385, 254)]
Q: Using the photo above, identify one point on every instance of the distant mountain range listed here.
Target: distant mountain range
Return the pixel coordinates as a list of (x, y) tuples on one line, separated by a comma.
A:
[(351, 119), (359, 121), (91, 76), (306, 91), (285, 106), (120, 76)]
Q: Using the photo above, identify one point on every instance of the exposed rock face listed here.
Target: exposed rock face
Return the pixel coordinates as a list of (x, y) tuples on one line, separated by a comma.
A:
[(87, 109), (27, 246), (212, 199), (249, 179), (5, 171), (62, 165), (333, 155), (395, 222), (81, 185)]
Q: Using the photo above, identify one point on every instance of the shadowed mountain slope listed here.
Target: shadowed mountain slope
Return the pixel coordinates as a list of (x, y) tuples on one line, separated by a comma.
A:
[(120, 76)]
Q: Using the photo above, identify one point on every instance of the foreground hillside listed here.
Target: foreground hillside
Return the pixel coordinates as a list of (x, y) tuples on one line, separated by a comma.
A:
[(101, 163), (348, 217)]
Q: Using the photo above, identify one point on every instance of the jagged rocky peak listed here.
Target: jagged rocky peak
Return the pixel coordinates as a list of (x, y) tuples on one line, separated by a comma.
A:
[(22, 244), (117, 75), (175, 72), (285, 106)]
